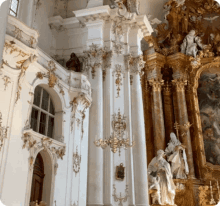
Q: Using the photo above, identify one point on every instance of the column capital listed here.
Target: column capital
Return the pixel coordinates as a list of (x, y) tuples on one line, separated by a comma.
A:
[(136, 64), (156, 84), (107, 59), (94, 58), (180, 84), (167, 89)]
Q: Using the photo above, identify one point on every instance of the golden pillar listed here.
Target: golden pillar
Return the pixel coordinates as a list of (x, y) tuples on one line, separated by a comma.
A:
[(149, 123), (182, 119), (158, 117), (168, 110)]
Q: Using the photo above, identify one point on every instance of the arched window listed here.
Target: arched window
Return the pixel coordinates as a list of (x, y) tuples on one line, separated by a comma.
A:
[(43, 113), (14, 7)]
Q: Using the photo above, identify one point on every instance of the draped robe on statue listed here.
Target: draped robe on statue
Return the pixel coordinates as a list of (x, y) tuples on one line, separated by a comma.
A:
[(177, 156), (162, 168)]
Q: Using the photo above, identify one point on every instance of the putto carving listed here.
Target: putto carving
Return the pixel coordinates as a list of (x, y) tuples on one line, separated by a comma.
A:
[(3, 132), (76, 161)]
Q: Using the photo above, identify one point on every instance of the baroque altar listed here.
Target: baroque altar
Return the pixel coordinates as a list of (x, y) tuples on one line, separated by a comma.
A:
[(181, 93)]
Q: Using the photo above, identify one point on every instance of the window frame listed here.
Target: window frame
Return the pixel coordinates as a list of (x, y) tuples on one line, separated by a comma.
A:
[(15, 12), (40, 110)]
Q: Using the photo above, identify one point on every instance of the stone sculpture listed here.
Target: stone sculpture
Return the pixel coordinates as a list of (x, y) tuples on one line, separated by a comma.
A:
[(160, 167), (123, 12), (73, 63), (154, 189), (190, 44), (176, 155)]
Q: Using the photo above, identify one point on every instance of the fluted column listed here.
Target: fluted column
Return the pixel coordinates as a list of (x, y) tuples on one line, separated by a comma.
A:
[(95, 156), (4, 10), (183, 119), (138, 129), (158, 118), (168, 111)]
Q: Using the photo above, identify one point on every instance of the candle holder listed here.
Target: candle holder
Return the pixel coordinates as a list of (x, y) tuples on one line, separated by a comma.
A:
[(212, 201)]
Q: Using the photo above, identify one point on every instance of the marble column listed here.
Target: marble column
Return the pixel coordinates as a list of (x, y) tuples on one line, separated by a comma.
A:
[(26, 12), (158, 117), (183, 119), (138, 129), (129, 152), (148, 123), (108, 111), (168, 111), (95, 156), (4, 10)]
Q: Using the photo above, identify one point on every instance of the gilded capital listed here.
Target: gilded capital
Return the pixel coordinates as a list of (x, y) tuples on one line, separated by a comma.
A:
[(167, 89), (156, 84), (180, 84)]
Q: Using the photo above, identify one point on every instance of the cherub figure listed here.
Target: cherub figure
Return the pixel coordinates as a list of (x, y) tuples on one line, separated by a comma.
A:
[(155, 189)]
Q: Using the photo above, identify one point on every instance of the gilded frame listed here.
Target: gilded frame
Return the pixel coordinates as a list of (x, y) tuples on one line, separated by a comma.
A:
[(194, 76)]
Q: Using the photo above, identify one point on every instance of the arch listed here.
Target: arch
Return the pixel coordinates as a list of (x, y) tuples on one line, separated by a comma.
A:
[(49, 178), (197, 119), (58, 102)]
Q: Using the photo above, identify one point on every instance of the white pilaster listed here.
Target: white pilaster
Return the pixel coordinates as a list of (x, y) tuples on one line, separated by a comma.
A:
[(108, 111), (4, 10), (129, 153), (139, 150), (95, 157)]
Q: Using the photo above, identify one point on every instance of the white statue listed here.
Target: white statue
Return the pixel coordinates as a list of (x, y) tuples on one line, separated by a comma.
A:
[(190, 43), (176, 155), (155, 189), (123, 12), (160, 167)]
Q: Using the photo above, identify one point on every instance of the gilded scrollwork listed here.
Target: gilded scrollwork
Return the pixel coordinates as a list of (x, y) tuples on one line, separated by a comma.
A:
[(7, 80), (10, 46), (76, 161), (3, 132), (119, 198), (118, 80)]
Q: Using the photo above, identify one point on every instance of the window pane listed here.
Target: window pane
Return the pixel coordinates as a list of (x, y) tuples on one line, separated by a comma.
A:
[(42, 127), (34, 115), (13, 14), (50, 127), (14, 7), (37, 94), (45, 100), (51, 108)]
